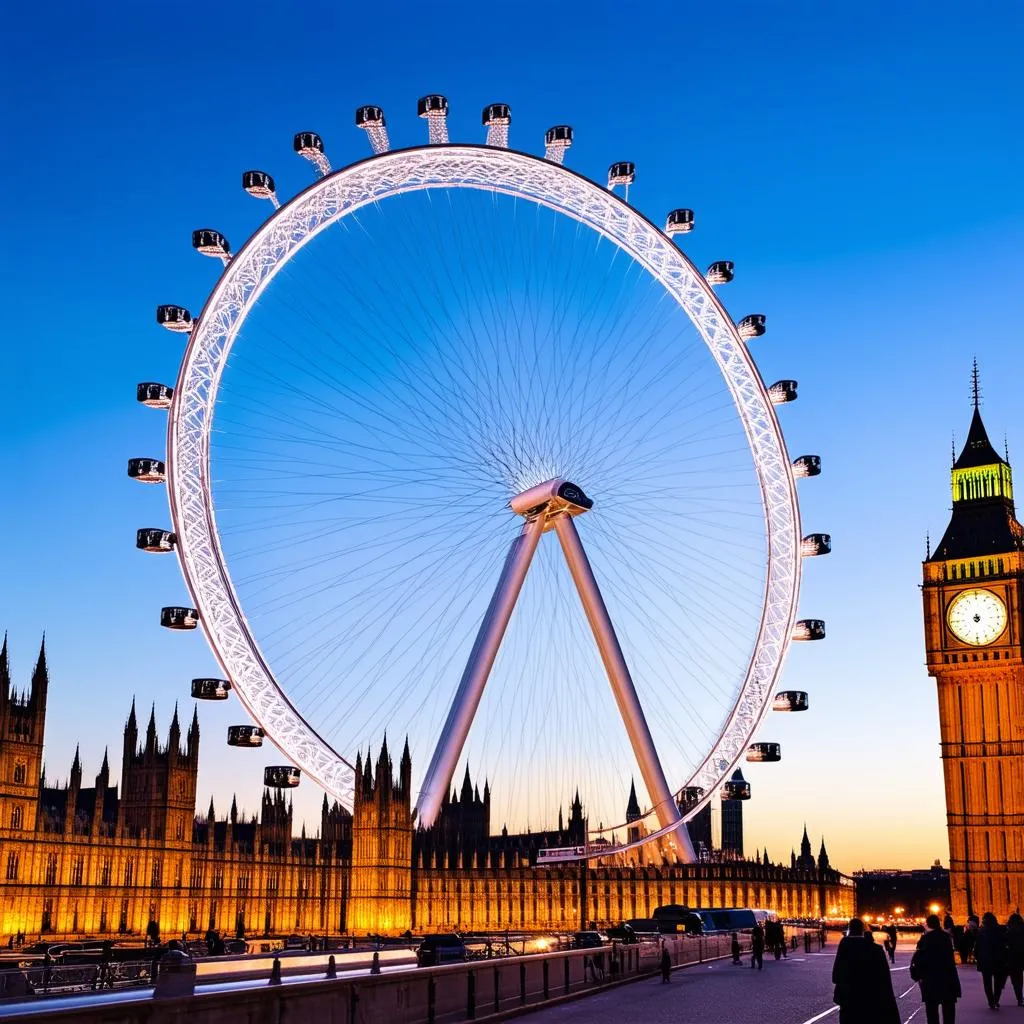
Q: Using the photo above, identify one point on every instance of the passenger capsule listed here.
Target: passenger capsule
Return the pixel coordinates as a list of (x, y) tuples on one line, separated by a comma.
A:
[(433, 105), (759, 753), (211, 689), (153, 395), (751, 326), (147, 471), (174, 318), (370, 116), (816, 544), (736, 790), (782, 391), (434, 108), (280, 776), (809, 629), (259, 184), (791, 700), (679, 222), (720, 272), (623, 172), (807, 465), (559, 135), (155, 540), (690, 795), (496, 118), (245, 736), (308, 144), (496, 114), (210, 243), (179, 618)]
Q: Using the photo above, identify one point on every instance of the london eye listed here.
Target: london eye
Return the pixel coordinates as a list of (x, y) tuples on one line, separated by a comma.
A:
[(464, 448)]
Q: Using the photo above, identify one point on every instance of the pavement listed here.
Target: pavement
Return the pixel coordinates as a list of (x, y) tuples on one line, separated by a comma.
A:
[(797, 990)]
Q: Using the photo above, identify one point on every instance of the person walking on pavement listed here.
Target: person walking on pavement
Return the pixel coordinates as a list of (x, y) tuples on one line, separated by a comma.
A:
[(736, 949), (1015, 955), (666, 965), (757, 948), (933, 967), (891, 942), (990, 954), (863, 986), (970, 938)]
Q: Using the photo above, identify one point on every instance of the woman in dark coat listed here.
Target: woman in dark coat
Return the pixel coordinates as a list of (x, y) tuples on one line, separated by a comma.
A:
[(1015, 954), (863, 984), (934, 968), (990, 955)]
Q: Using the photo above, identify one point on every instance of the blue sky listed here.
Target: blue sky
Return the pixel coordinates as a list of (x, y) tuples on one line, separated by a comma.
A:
[(860, 166)]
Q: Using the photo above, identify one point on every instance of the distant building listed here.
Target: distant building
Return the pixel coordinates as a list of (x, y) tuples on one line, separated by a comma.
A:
[(973, 596), (732, 822), (881, 892), (108, 859)]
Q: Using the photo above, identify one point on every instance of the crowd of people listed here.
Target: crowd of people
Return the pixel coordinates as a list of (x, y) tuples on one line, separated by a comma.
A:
[(863, 985)]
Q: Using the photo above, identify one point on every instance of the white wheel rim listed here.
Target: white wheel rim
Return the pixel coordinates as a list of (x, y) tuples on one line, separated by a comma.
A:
[(487, 169)]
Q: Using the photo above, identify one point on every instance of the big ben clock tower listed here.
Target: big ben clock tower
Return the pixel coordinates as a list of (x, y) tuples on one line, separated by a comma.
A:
[(973, 624)]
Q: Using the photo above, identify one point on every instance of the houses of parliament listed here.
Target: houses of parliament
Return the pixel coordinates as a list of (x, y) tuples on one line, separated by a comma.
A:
[(107, 859)]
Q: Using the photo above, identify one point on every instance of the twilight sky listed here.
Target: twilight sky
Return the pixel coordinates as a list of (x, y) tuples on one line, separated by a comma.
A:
[(861, 167)]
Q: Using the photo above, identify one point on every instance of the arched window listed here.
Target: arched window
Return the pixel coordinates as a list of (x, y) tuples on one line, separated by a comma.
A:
[(20, 773), (16, 817)]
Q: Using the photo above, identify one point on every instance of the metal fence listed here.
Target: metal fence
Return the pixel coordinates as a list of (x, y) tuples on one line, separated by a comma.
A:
[(52, 979)]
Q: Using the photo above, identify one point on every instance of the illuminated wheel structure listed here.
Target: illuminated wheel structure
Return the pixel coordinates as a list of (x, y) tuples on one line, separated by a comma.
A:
[(433, 353)]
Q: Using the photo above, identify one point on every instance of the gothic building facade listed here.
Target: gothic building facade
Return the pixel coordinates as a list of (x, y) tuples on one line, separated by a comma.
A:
[(108, 859), (973, 595)]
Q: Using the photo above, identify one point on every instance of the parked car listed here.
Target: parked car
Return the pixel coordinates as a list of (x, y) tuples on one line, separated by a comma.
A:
[(440, 949), (588, 940)]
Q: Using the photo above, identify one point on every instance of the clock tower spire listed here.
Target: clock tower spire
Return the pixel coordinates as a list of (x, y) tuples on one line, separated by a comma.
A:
[(973, 595)]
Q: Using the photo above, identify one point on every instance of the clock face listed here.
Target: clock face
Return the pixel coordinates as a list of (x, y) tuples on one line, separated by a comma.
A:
[(976, 617)]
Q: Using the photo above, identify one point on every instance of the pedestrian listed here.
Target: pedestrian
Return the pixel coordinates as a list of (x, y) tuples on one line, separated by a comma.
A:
[(666, 965), (891, 942), (736, 949), (863, 986), (757, 948), (1015, 955), (990, 954), (970, 938), (933, 967), (782, 940)]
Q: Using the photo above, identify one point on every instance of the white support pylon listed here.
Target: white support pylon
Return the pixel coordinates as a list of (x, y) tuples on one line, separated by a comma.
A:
[(551, 505)]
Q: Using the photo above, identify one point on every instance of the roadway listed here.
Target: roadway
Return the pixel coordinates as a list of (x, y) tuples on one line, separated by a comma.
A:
[(40, 1008), (797, 990)]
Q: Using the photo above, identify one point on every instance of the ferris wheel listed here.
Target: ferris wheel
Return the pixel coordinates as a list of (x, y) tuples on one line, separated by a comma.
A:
[(410, 373)]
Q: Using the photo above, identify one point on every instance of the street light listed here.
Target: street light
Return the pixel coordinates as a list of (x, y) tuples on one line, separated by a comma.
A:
[(934, 908), (898, 911)]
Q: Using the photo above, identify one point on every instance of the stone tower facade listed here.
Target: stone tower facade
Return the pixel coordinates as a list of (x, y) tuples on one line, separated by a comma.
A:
[(158, 797), (973, 621), (22, 723), (381, 877)]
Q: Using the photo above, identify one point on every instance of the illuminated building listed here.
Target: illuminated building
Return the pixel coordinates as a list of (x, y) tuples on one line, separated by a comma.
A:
[(974, 619), (107, 860)]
